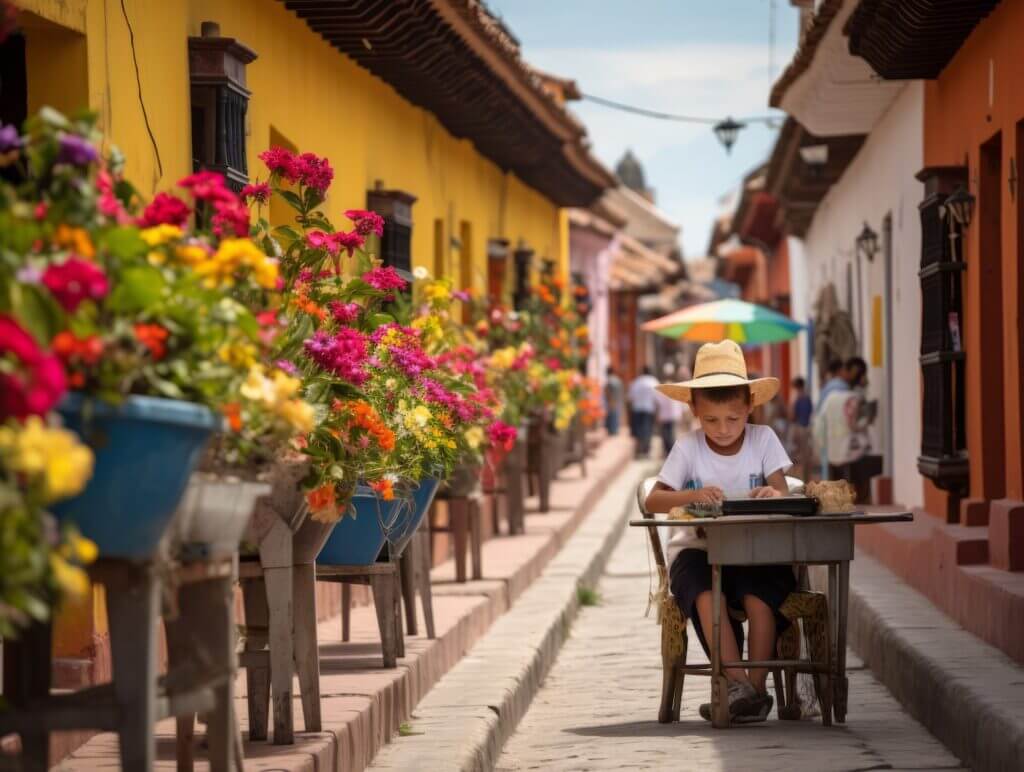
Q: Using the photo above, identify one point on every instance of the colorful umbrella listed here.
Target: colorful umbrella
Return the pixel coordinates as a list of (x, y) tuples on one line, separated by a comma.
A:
[(733, 319)]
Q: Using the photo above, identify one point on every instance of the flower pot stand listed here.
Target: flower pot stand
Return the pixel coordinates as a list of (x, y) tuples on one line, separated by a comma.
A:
[(414, 576), (279, 595), (509, 486), (383, 580), (576, 446), (200, 676), (464, 516), (543, 461)]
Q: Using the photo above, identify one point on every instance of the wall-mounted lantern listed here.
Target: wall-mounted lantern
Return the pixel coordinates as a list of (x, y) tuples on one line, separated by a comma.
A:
[(220, 100), (867, 243), (960, 206)]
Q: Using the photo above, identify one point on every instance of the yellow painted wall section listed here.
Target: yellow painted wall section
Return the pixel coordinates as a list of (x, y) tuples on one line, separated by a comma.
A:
[(309, 93), (316, 97)]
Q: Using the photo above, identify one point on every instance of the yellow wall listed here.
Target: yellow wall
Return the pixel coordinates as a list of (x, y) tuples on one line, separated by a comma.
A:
[(315, 97), (304, 91)]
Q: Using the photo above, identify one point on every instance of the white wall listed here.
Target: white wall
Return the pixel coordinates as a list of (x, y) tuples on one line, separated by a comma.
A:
[(880, 181), (800, 306)]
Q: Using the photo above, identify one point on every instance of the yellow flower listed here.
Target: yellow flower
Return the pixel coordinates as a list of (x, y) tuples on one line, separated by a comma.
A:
[(54, 456), (191, 254), (237, 355), (79, 549), (474, 437), (417, 418), (160, 234), (71, 579), (257, 386), (299, 415), (285, 387), (436, 291), (266, 273), (503, 358)]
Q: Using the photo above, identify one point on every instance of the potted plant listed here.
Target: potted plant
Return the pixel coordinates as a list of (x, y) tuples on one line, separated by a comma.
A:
[(133, 305)]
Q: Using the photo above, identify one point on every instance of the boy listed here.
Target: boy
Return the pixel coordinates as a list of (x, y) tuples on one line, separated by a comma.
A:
[(727, 457)]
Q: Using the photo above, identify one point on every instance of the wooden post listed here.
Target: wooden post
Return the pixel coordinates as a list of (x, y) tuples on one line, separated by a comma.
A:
[(307, 654)]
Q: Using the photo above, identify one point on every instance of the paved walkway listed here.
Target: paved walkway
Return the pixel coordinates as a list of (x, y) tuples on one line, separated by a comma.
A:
[(598, 707)]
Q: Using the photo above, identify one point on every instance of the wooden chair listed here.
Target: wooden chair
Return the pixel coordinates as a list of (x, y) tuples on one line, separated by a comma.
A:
[(807, 608)]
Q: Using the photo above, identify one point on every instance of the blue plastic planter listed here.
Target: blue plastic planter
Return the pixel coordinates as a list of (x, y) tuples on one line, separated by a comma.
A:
[(146, 449), (358, 541)]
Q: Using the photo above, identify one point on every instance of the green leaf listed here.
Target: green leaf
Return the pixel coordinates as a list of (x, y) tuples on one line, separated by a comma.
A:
[(125, 243), (287, 231), (36, 309), (293, 199), (140, 288), (380, 319)]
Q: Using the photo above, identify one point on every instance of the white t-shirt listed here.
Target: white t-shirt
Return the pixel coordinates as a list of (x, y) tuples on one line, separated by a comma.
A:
[(692, 465), (669, 409), (641, 394)]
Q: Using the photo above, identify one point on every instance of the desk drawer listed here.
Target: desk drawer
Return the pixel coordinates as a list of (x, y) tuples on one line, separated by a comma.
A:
[(784, 542)]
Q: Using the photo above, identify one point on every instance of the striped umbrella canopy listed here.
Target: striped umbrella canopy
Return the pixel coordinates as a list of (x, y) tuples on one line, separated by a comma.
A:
[(733, 319)]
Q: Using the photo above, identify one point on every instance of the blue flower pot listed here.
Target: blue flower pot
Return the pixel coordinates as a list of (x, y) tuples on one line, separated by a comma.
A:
[(358, 541), (146, 449)]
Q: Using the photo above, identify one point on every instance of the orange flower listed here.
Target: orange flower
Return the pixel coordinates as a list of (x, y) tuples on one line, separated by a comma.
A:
[(321, 498), (366, 418), (384, 488), (233, 412), (153, 337), (302, 302)]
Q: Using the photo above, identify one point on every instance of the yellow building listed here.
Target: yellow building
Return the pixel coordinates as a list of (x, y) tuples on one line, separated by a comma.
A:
[(426, 100)]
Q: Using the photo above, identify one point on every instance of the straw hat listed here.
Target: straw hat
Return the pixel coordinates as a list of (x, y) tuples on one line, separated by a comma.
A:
[(721, 364)]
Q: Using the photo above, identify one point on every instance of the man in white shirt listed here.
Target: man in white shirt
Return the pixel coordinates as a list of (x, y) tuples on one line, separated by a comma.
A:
[(642, 409)]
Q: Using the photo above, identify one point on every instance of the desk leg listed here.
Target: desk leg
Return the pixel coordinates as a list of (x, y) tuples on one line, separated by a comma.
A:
[(719, 686), (842, 612)]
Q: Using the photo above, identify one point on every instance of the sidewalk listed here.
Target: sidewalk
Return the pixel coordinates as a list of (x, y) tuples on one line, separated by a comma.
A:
[(966, 692), (364, 705)]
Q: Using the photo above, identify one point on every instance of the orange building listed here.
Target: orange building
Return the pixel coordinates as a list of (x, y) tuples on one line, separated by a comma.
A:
[(972, 284)]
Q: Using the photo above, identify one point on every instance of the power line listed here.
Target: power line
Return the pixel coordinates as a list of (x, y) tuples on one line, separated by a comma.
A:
[(766, 119)]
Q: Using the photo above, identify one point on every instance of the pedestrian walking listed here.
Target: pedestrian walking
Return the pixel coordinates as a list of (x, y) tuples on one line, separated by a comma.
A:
[(798, 440), (613, 392), (840, 425), (726, 456), (642, 407), (668, 412)]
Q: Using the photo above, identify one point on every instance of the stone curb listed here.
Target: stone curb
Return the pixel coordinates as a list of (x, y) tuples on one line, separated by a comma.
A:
[(463, 723), (967, 693)]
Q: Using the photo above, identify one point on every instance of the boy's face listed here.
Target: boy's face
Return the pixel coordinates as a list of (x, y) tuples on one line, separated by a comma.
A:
[(722, 422)]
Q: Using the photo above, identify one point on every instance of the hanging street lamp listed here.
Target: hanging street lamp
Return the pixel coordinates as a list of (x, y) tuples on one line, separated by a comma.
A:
[(727, 131)]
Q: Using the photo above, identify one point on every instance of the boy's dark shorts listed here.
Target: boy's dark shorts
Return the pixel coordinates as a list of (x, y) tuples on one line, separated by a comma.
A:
[(690, 575)]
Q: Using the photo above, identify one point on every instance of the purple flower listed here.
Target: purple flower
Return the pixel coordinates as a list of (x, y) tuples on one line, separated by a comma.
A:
[(76, 151), (9, 139), (345, 312), (342, 354), (384, 279), (286, 366)]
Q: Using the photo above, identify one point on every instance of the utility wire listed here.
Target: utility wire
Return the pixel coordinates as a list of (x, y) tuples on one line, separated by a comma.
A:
[(767, 119)]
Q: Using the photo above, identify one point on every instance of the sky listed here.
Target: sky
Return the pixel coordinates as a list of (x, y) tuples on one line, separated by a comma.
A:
[(694, 57)]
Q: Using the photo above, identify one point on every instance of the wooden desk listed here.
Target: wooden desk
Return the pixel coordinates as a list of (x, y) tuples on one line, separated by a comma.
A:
[(746, 540)]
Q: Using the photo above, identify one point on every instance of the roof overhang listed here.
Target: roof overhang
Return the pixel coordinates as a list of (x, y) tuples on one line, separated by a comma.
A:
[(798, 186), (458, 62), (909, 39), (828, 89)]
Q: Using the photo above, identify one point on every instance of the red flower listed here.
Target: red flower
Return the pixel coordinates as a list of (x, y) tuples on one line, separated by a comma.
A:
[(75, 280), (260, 192), (207, 186), (230, 216), (350, 241), (502, 435), (281, 161), (314, 172), (41, 209), (321, 240), (165, 209), (384, 279), (385, 488), (153, 337), (366, 222), (31, 380), (344, 312)]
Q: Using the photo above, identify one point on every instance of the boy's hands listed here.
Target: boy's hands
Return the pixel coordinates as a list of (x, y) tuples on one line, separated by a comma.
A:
[(710, 495), (764, 492)]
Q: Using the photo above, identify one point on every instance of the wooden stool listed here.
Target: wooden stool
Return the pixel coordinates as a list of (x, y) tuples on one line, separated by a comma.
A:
[(383, 580), (464, 513), (200, 677), (414, 576), (279, 593)]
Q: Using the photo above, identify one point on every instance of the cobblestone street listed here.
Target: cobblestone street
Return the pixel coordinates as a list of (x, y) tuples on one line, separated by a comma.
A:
[(598, 706)]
